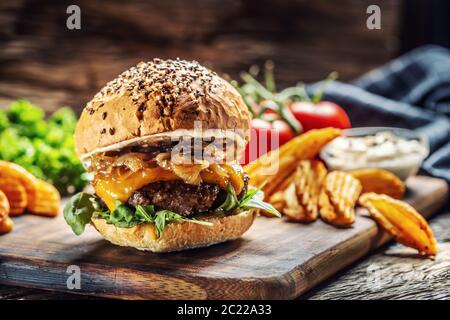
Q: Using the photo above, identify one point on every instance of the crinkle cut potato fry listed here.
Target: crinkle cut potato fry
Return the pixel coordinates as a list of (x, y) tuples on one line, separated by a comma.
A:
[(285, 183), (380, 181), (6, 223), (47, 200), (16, 194), (302, 196), (401, 221), (277, 165), (338, 198), (14, 171), (277, 199)]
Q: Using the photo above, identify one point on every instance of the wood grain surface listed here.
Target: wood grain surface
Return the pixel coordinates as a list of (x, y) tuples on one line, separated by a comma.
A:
[(406, 276), (274, 259), (395, 272), (41, 60)]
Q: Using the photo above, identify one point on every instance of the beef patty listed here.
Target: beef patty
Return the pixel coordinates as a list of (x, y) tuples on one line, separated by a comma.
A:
[(177, 196), (184, 199)]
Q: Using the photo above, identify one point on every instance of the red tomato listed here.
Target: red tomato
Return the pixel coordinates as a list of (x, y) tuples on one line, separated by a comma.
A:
[(284, 131), (266, 136), (320, 115), (259, 124)]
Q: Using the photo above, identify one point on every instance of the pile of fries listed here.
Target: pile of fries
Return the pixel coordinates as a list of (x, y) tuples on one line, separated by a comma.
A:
[(300, 186), (21, 192)]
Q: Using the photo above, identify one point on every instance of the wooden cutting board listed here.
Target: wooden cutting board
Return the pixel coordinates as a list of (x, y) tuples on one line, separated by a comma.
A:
[(273, 260)]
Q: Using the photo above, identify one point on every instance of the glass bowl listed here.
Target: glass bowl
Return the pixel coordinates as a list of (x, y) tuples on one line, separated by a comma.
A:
[(402, 165)]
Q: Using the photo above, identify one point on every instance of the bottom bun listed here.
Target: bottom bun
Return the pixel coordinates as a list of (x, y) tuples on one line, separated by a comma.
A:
[(178, 236)]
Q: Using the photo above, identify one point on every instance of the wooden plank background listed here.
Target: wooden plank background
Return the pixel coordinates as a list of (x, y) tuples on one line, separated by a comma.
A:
[(42, 60)]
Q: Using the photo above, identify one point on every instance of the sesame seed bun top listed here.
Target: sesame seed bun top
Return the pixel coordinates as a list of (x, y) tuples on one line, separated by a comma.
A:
[(159, 97)]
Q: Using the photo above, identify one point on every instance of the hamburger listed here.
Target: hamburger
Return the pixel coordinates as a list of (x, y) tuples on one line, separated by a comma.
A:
[(161, 144)]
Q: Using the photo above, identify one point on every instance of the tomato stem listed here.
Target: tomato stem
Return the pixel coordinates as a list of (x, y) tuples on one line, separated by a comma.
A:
[(287, 116), (318, 95), (245, 96), (282, 110), (259, 88), (254, 70), (269, 76), (292, 93)]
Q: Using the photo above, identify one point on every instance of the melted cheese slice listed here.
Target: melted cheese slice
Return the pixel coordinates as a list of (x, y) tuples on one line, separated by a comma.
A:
[(113, 187)]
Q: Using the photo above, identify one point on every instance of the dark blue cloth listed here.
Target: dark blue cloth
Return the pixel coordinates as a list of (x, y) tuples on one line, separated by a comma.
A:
[(412, 91)]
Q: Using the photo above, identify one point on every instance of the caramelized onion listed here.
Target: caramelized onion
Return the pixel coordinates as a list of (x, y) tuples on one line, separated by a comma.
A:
[(163, 160), (218, 170), (185, 167), (190, 173), (133, 161), (182, 166)]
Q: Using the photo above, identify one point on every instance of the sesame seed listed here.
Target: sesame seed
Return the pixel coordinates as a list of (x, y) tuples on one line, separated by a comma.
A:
[(163, 81)]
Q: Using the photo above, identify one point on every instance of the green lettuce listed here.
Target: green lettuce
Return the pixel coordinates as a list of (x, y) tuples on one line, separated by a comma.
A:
[(253, 199), (82, 207), (43, 146), (79, 210)]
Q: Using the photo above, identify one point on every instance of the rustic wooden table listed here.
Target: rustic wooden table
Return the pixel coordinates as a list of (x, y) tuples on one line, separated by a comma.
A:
[(395, 272), (33, 67), (392, 272)]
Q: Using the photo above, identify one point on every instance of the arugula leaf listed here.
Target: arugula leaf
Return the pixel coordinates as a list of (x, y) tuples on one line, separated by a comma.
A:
[(231, 200), (125, 217), (79, 210), (145, 213), (160, 222), (252, 199), (163, 217), (82, 206), (257, 202), (122, 214), (172, 216), (251, 193)]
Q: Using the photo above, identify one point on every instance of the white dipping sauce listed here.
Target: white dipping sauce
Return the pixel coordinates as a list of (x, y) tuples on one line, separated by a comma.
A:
[(380, 150)]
